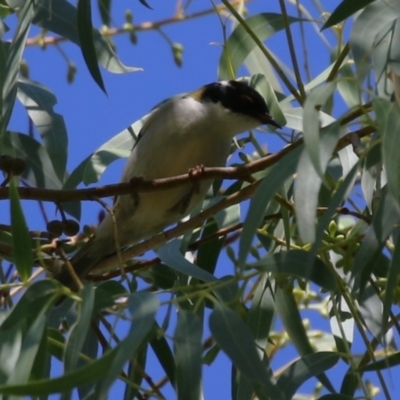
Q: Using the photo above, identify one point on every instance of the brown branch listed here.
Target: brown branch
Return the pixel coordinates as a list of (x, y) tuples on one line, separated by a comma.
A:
[(144, 26), (163, 237), (138, 185)]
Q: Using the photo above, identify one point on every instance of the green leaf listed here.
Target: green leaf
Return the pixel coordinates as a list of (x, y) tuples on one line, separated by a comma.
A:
[(39, 295), (79, 330), (10, 349), (235, 339), (259, 320), (39, 102), (56, 343), (240, 44), (105, 11), (188, 355), (171, 255), (264, 194), (29, 348), (90, 349), (99, 161), (106, 294), (384, 219), (286, 307), (309, 179), (93, 372), (293, 263), (303, 369), (311, 127), (262, 311), (164, 355), (39, 171), (118, 146), (9, 87), (144, 2), (142, 307), (60, 16), (85, 33), (387, 115), (4, 56), (391, 285), (344, 10), (22, 244), (336, 396), (389, 361), (208, 253), (135, 374), (373, 21), (336, 201)]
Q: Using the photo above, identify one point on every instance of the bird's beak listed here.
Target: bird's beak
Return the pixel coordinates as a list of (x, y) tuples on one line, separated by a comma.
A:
[(267, 119)]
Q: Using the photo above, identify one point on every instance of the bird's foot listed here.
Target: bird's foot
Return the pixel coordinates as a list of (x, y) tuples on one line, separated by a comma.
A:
[(194, 174)]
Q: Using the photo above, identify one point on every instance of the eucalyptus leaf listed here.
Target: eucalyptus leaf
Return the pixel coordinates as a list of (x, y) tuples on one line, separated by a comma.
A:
[(303, 369), (39, 102), (294, 263), (344, 10), (60, 16), (264, 194), (79, 330), (286, 307), (235, 339), (364, 33), (39, 171), (188, 356), (142, 307), (20, 235), (86, 40), (240, 44), (11, 70)]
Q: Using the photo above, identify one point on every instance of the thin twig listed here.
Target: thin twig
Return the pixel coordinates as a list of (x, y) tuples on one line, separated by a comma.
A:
[(144, 26), (292, 51), (266, 53)]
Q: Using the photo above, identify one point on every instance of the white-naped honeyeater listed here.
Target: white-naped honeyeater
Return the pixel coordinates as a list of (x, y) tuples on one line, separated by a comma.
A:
[(186, 131)]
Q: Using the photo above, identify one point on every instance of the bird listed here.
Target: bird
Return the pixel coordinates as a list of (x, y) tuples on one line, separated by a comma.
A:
[(184, 132)]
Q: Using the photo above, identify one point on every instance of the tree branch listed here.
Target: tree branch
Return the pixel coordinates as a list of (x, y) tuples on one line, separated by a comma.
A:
[(144, 26), (242, 172)]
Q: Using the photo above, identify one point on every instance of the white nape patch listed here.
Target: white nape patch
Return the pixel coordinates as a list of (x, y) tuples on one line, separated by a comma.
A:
[(224, 83)]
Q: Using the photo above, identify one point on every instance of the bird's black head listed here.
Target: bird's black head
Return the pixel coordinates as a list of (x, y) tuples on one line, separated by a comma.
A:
[(238, 97)]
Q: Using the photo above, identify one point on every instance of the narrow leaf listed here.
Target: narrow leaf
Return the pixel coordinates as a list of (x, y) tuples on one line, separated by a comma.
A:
[(85, 33), (80, 329), (60, 16), (265, 193), (240, 44), (294, 263), (22, 244), (235, 339), (142, 307), (389, 361), (188, 356), (9, 88), (287, 309), (165, 356), (105, 11), (387, 115), (305, 368), (39, 102), (344, 10)]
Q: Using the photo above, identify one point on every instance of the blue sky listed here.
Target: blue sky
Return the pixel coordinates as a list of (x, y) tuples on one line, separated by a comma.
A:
[(92, 117)]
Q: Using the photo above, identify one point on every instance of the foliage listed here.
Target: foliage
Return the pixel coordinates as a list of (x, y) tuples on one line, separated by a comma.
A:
[(320, 231)]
